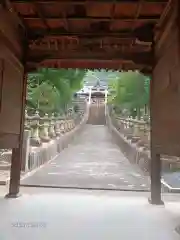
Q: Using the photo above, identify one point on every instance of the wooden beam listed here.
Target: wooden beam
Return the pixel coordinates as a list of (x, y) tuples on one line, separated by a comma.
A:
[(8, 6), (84, 1), (9, 50), (70, 54), (6, 42), (165, 12), (41, 33), (153, 18), (160, 38), (113, 9), (40, 14), (141, 59), (138, 10), (91, 64), (87, 44)]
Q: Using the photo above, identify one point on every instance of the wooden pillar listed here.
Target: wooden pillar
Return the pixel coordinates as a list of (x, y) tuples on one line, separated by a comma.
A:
[(155, 197), (15, 173), (17, 153)]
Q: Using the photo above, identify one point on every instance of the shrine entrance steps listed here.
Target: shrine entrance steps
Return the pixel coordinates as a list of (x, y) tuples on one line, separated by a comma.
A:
[(91, 161), (97, 112)]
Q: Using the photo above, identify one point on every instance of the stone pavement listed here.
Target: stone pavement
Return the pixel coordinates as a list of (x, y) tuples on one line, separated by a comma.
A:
[(4, 176), (91, 161), (172, 181), (86, 215)]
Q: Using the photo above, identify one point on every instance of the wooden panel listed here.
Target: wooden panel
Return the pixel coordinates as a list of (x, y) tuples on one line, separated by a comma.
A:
[(166, 95), (9, 30), (11, 84), (10, 113), (1, 79)]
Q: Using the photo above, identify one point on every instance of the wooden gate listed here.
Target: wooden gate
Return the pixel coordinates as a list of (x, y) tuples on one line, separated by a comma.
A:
[(92, 34), (97, 112)]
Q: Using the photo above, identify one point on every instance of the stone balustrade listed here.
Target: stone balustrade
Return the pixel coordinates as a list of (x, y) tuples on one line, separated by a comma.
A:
[(133, 137), (45, 137), (137, 131), (44, 128)]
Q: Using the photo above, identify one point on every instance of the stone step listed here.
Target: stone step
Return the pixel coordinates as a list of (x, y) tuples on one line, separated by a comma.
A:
[(6, 157), (4, 177), (5, 166)]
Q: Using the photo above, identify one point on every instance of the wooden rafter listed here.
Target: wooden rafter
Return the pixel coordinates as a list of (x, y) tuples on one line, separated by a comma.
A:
[(82, 1), (122, 19), (90, 29), (137, 57), (8, 5), (113, 9), (164, 16), (165, 12), (40, 14), (91, 64), (78, 44), (138, 10)]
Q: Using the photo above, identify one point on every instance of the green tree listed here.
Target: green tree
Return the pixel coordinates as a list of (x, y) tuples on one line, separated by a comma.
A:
[(131, 91), (53, 89)]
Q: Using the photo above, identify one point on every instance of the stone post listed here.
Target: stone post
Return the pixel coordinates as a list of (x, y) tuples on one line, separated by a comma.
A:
[(128, 123), (136, 133), (69, 125), (118, 122), (25, 150), (62, 127), (52, 133), (142, 128), (148, 134), (73, 124), (65, 125), (136, 129), (26, 120), (44, 129), (123, 124), (57, 126), (35, 139), (131, 124)]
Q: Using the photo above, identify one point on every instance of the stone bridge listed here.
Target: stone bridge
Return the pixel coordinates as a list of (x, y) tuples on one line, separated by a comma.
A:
[(44, 137), (94, 150), (90, 159)]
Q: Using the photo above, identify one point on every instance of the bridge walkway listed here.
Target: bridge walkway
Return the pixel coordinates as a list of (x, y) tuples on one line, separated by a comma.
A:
[(91, 161)]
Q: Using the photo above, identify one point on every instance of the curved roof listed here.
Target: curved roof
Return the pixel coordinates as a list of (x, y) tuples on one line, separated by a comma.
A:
[(90, 34)]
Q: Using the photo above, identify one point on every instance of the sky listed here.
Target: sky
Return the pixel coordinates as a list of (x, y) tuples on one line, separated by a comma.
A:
[(101, 76)]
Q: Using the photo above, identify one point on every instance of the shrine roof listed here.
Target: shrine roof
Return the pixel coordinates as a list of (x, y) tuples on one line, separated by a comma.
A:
[(91, 33)]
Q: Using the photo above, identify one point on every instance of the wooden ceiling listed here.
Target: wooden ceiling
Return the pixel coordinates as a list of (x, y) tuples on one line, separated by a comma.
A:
[(91, 34)]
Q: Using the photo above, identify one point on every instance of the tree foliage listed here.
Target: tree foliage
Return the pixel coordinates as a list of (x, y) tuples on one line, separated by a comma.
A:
[(129, 90), (51, 90)]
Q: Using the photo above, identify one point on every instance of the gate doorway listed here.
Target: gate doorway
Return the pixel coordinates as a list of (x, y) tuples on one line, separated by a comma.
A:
[(97, 111), (123, 35), (93, 159)]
